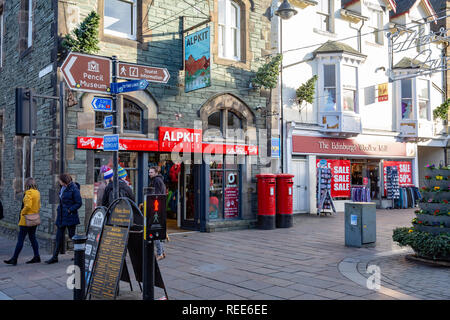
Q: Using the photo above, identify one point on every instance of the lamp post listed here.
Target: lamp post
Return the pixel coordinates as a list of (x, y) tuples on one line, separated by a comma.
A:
[(285, 11)]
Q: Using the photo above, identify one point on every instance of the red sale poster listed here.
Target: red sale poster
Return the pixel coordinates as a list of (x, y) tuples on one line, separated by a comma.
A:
[(404, 172), (340, 176)]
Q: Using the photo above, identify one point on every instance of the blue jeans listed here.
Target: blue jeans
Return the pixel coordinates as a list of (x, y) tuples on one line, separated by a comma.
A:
[(159, 247), (23, 231)]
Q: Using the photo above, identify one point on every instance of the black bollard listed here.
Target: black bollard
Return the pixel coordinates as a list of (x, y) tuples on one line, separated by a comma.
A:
[(148, 292), (79, 247)]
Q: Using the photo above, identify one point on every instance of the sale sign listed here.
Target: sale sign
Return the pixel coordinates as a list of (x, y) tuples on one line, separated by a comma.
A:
[(404, 172), (340, 176)]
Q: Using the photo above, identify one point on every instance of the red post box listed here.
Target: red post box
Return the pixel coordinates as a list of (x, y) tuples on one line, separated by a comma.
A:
[(285, 186), (266, 201)]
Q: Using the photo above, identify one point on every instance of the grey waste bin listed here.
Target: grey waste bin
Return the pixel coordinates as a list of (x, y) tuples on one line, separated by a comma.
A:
[(360, 224)]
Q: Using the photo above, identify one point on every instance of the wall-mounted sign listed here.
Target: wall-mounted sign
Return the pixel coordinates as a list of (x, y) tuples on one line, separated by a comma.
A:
[(197, 64), (180, 139), (383, 94), (340, 176), (362, 145), (275, 147)]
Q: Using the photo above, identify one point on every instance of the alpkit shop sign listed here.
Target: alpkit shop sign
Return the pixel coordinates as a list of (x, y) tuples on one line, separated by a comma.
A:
[(180, 139)]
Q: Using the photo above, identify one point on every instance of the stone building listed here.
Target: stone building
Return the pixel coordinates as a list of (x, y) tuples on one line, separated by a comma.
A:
[(207, 195)]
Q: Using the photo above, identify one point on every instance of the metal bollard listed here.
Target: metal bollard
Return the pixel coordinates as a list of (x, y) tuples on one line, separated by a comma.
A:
[(148, 292), (79, 247)]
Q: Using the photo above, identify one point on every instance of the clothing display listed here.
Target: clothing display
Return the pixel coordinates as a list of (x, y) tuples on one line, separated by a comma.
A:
[(409, 197), (360, 194), (392, 184), (174, 171)]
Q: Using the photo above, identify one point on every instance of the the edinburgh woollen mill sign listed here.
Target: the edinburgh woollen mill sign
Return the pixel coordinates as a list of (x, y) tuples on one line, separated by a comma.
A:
[(197, 64)]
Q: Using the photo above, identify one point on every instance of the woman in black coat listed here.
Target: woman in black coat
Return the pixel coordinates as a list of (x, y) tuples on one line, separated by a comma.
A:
[(67, 217)]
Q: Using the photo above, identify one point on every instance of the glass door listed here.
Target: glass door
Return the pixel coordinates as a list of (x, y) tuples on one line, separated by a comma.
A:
[(189, 212)]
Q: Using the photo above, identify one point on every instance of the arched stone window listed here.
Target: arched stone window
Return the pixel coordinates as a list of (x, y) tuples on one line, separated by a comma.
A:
[(225, 116), (132, 116)]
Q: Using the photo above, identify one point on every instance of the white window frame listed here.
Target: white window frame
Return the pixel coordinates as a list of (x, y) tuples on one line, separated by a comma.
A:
[(133, 35), (326, 26), (412, 117), (227, 28), (377, 26), (346, 88), (419, 99), (30, 24), (323, 94)]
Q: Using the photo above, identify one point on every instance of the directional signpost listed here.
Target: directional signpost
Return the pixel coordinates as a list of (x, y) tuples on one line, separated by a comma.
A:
[(129, 86), (111, 142), (102, 104), (87, 73), (108, 122), (135, 71)]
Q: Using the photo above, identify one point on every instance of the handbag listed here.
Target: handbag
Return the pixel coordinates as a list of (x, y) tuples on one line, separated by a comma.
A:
[(32, 220)]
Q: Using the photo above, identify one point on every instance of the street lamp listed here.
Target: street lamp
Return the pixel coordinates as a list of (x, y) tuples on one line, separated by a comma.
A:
[(285, 11)]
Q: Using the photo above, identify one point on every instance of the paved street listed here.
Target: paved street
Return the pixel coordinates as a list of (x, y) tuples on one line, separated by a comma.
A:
[(308, 261)]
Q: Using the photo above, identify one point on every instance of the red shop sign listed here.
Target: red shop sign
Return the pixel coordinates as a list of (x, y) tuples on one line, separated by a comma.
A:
[(404, 172), (96, 143), (340, 176), (180, 140)]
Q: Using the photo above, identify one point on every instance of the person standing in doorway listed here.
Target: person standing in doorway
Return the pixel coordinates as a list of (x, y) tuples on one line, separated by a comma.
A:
[(107, 174), (67, 213), (31, 204), (157, 186)]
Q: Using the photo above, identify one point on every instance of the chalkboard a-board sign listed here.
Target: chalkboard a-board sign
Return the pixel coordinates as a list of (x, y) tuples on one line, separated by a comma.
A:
[(111, 252), (94, 233)]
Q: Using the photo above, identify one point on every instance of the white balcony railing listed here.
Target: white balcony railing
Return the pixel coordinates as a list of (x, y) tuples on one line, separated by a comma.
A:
[(417, 129), (341, 123)]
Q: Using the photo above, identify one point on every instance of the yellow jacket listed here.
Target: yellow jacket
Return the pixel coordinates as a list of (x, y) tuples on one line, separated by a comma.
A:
[(31, 204)]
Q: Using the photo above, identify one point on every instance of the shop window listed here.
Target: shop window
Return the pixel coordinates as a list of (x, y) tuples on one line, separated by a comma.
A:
[(325, 15), (214, 121), (120, 18), (234, 126), (406, 96), (424, 101), (349, 87), (329, 88), (224, 191), (127, 160), (132, 116), (229, 30)]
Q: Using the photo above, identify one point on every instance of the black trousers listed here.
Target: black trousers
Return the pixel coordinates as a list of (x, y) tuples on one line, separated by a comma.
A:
[(60, 237)]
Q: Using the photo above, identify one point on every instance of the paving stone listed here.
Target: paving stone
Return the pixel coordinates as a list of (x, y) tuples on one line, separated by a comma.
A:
[(254, 285), (330, 294), (281, 292), (308, 296), (205, 292)]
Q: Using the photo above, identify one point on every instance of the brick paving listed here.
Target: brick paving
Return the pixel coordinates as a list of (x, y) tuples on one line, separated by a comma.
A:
[(297, 263)]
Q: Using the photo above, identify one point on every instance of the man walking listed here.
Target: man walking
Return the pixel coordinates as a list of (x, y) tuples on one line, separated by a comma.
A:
[(157, 186)]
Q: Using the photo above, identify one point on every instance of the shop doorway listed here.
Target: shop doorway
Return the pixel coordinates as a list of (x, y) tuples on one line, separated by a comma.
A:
[(300, 199), (188, 213)]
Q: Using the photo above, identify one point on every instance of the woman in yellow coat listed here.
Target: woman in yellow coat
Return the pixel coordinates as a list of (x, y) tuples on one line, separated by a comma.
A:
[(31, 204)]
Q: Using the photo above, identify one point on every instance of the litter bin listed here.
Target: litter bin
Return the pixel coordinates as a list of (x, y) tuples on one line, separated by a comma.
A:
[(284, 217), (360, 224), (266, 201)]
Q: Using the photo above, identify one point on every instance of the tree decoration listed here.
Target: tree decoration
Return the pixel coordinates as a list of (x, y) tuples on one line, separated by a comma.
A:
[(267, 74), (84, 38), (306, 91)]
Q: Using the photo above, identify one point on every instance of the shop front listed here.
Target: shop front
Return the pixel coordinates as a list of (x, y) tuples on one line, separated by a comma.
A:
[(358, 167), (205, 181)]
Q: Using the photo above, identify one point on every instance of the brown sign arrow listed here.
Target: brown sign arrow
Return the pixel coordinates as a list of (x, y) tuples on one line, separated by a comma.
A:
[(136, 71), (87, 73)]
